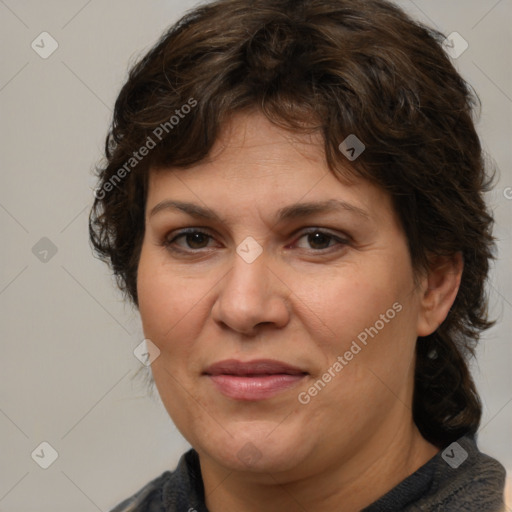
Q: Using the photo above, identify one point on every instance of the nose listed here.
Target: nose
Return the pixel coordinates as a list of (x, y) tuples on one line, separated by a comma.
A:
[(251, 295)]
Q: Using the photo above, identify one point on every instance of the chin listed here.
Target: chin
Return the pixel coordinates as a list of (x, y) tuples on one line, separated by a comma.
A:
[(257, 452)]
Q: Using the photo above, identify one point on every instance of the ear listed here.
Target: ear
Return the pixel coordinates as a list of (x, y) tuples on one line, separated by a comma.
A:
[(438, 291)]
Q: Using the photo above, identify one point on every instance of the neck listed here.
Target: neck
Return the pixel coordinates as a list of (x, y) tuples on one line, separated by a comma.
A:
[(356, 481)]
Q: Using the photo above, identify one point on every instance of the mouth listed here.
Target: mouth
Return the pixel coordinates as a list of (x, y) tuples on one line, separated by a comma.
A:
[(253, 380)]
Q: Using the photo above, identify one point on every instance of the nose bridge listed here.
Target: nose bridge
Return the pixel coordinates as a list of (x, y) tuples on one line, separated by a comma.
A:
[(250, 295)]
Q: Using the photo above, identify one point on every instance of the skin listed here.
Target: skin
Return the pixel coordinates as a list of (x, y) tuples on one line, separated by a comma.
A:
[(302, 301)]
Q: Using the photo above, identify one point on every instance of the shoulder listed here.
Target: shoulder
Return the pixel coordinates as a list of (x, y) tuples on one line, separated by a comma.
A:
[(467, 479), (148, 498), (178, 490)]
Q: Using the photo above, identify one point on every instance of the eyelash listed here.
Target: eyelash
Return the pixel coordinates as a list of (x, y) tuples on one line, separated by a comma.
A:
[(169, 243)]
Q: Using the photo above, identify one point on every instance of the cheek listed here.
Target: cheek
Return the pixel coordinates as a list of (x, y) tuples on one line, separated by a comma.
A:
[(371, 326), (168, 301), (368, 316), (354, 300), (170, 305)]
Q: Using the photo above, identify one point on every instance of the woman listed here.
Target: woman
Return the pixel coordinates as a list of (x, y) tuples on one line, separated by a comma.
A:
[(292, 198)]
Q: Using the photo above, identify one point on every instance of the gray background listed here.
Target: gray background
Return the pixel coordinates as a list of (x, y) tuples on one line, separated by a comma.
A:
[(67, 366)]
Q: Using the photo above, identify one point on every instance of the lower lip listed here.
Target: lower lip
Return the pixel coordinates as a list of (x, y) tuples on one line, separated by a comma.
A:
[(254, 388)]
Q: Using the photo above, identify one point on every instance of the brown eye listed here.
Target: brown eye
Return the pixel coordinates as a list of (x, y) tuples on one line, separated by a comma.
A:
[(196, 240), (319, 240), (189, 241)]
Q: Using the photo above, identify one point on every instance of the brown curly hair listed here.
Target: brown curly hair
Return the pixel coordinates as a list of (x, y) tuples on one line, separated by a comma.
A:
[(339, 67)]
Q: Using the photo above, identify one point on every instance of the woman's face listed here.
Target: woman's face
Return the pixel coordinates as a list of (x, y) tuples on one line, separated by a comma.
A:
[(290, 264)]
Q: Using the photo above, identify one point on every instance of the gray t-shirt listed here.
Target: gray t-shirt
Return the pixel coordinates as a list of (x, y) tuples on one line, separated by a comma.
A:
[(460, 478)]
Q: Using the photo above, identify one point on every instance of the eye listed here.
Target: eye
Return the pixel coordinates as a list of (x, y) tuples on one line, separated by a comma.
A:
[(321, 240), (192, 240), (195, 240)]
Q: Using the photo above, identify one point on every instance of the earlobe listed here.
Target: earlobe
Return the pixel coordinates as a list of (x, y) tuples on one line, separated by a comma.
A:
[(439, 289)]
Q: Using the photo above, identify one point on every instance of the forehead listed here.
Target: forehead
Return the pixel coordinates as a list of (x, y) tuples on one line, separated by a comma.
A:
[(253, 160), (249, 146)]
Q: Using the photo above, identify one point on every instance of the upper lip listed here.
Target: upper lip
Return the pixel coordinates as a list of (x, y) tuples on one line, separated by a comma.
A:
[(255, 367)]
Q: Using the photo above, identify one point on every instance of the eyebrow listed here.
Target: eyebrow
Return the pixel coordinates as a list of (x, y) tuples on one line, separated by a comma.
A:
[(293, 211)]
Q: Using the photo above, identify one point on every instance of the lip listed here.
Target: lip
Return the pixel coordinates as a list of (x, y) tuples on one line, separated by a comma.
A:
[(254, 367), (253, 380)]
